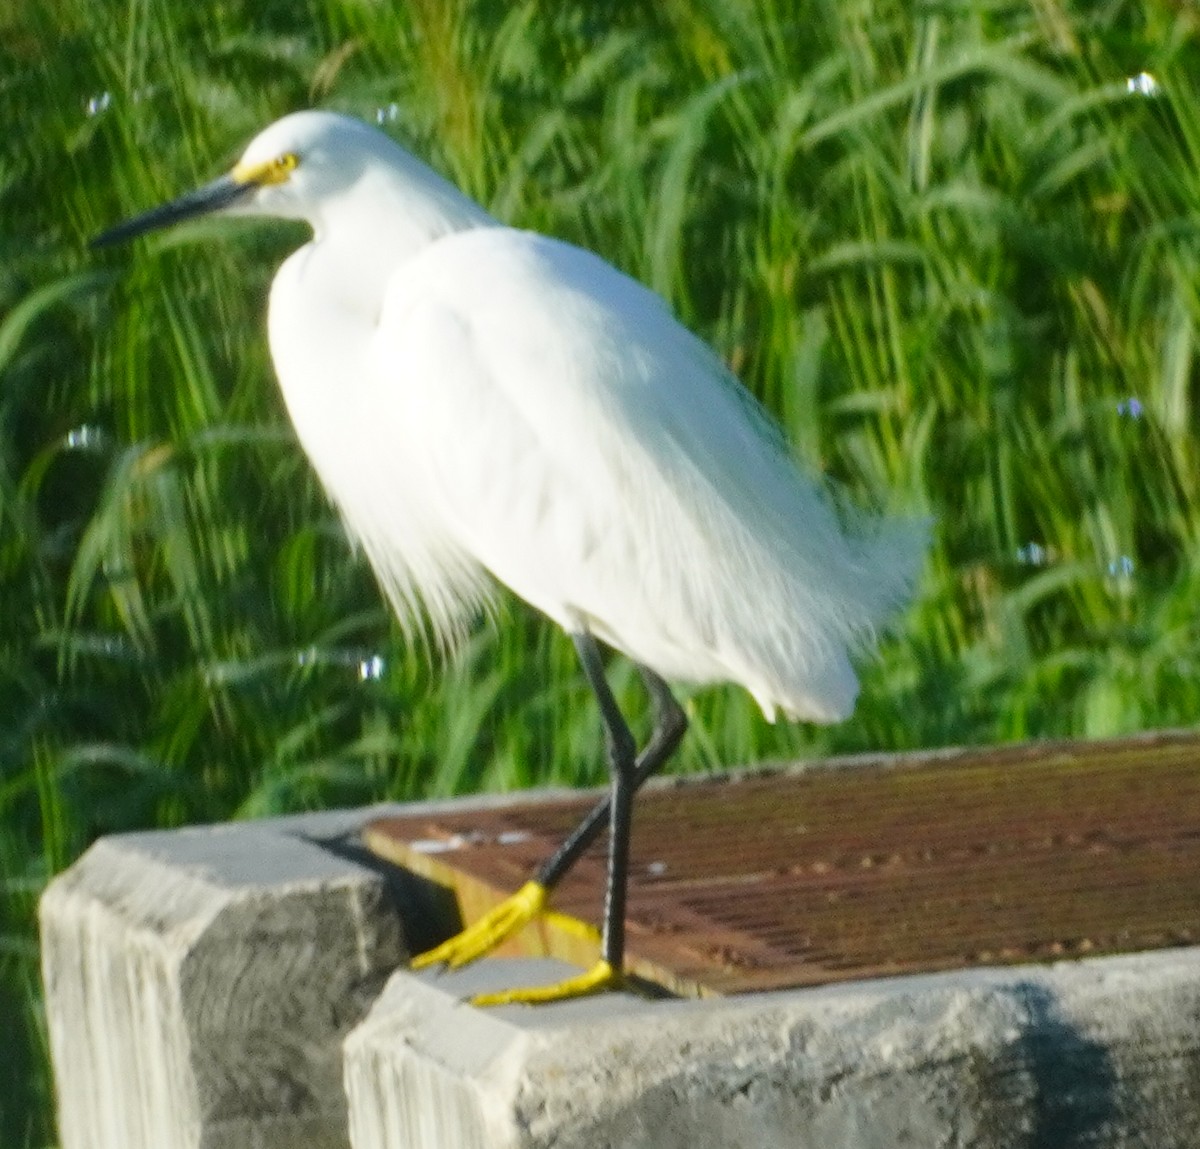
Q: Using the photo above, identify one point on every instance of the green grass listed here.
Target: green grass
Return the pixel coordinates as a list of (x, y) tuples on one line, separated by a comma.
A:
[(943, 242)]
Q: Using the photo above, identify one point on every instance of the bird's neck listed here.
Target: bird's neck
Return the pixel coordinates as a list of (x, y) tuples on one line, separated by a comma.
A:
[(363, 238), (326, 299)]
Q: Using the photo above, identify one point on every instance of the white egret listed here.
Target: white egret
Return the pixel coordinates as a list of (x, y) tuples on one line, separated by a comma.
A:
[(486, 403)]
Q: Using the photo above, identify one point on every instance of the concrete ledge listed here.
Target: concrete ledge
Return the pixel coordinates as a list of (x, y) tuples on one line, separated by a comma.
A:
[(1094, 1053), (200, 984)]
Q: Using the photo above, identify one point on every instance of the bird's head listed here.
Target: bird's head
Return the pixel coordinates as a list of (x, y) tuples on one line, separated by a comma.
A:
[(289, 170)]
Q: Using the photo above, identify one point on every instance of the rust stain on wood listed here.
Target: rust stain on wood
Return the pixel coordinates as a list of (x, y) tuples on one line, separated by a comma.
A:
[(891, 865)]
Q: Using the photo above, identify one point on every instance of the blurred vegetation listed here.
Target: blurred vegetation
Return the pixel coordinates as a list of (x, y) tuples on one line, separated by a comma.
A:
[(951, 244)]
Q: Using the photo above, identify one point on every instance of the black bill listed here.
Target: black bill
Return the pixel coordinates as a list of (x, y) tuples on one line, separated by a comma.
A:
[(211, 197)]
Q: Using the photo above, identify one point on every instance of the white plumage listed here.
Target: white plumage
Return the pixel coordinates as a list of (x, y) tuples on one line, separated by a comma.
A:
[(484, 404), (477, 398)]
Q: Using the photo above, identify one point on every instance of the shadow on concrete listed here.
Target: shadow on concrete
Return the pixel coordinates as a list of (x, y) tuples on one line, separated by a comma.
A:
[(1075, 1083), (428, 912)]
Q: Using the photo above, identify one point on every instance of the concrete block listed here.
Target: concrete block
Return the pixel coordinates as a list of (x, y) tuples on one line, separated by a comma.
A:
[(1098, 1053), (199, 984)]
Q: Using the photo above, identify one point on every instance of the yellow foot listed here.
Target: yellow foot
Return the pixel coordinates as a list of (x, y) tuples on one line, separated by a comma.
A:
[(486, 934), (600, 976)]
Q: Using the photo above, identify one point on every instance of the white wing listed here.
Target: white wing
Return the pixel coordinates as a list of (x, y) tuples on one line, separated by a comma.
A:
[(567, 434)]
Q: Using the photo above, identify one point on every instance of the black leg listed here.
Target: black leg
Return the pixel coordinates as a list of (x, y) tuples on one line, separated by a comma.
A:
[(670, 725), (622, 762), (628, 771)]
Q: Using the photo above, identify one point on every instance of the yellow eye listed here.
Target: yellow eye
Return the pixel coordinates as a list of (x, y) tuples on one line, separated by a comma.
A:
[(274, 171)]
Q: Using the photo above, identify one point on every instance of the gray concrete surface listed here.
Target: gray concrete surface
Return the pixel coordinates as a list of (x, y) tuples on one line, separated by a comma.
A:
[(1104, 1052), (200, 984)]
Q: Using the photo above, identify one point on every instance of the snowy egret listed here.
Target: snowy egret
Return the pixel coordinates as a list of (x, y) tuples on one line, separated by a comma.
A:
[(486, 403)]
